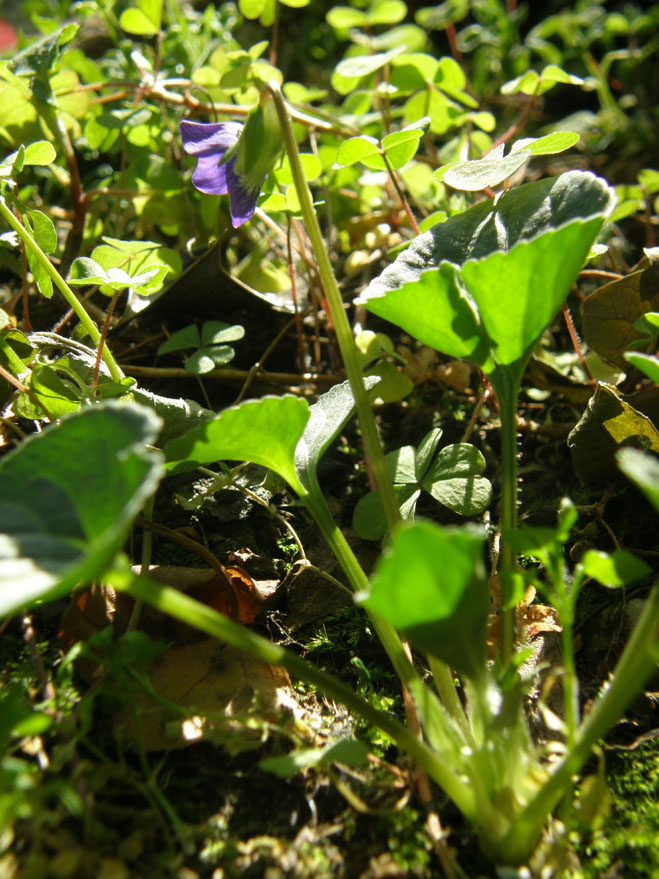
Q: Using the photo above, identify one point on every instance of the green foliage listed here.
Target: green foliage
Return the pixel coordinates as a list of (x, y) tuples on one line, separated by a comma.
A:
[(96, 200), (211, 345), (431, 585), (451, 476), (485, 284), (89, 477)]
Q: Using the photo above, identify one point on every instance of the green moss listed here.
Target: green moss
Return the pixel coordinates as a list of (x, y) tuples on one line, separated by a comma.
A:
[(628, 843)]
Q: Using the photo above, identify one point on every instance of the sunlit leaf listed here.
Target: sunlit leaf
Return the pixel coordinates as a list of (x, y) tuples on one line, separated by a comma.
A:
[(264, 431), (609, 423), (616, 569), (647, 363), (643, 470), (431, 585), (144, 20), (548, 145), (486, 283)]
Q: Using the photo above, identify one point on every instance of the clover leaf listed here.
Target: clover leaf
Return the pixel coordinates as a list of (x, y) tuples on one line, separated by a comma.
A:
[(452, 477)]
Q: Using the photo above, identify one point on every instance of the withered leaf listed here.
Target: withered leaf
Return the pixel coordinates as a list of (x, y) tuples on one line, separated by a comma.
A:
[(608, 423), (609, 313)]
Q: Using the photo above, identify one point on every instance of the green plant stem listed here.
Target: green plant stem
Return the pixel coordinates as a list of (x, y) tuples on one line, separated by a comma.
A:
[(182, 607), (636, 664), (387, 634), (341, 324), (570, 680), (449, 695), (58, 280), (507, 392)]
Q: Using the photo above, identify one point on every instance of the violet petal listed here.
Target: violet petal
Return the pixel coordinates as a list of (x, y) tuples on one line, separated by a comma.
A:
[(243, 199), (209, 138), (210, 177)]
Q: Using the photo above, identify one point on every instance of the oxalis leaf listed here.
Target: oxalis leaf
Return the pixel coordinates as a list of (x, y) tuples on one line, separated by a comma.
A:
[(453, 478), (67, 498), (485, 284)]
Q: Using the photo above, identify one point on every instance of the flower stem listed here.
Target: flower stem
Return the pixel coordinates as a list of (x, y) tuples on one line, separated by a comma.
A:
[(507, 390), (180, 606), (341, 324), (58, 280)]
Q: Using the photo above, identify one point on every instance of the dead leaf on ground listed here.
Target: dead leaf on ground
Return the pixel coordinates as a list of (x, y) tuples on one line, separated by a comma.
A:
[(536, 618), (608, 423), (95, 608), (210, 680), (420, 366), (213, 683), (609, 313)]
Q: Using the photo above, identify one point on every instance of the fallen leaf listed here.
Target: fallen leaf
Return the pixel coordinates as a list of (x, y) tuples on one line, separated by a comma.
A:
[(609, 313), (608, 423), (456, 374), (213, 684), (420, 366)]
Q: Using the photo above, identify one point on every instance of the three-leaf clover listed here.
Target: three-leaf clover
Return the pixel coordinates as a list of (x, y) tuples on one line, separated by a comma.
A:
[(452, 476), (211, 345)]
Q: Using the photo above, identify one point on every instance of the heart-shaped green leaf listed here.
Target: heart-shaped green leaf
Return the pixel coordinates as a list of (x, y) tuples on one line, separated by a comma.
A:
[(455, 480), (67, 498), (431, 585), (485, 284), (264, 431), (145, 20), (282, 433)]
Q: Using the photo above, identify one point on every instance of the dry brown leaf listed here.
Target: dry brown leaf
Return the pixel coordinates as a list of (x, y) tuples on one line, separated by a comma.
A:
[(210, 679), (214, 683), (420, 366), (456, 375), (536, 618)]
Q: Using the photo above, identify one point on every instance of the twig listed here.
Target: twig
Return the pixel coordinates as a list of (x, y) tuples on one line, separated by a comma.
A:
[(227, 373)]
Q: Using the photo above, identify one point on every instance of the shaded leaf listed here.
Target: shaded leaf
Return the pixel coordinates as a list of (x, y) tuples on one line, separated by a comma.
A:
[(363, 65), (327, 416), (68, 496), (454, 479), (369, 519), (211, 683), (187, 337), (609, 313), (608, 423)]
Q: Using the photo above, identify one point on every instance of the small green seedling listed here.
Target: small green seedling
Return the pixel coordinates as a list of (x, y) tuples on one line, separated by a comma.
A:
[(211, 344)]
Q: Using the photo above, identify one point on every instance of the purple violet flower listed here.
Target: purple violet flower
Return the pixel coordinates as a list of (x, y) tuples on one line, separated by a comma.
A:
[(215, 146), (235, 159)]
